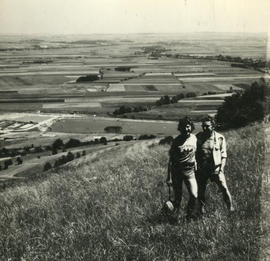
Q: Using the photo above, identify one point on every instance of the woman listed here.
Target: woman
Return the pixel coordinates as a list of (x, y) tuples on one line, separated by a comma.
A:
[(182, 165)]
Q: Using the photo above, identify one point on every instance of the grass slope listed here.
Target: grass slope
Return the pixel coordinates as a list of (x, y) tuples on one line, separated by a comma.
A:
[(108, 209)]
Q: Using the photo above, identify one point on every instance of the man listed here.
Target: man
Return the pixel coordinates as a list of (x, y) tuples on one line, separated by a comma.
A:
[(211, 157), (182, 166)]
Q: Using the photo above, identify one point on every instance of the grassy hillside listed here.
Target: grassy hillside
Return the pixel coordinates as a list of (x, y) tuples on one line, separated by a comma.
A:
[(108, 209)]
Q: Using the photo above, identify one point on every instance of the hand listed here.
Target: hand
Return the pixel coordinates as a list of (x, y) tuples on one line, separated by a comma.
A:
[(169, 182), (221, 171)]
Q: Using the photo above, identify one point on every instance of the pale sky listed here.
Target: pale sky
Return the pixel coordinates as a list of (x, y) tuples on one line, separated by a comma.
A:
[(133, 16)]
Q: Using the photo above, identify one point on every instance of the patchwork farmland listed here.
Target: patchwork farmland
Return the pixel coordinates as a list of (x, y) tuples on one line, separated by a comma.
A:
[(74, 87)]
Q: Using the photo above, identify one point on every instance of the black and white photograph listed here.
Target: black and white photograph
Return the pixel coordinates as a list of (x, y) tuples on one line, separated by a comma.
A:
[(134, 130)]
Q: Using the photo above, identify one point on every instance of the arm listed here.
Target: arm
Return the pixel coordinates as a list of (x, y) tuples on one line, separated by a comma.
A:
[(223, 155), (169, 175), (223, 163)]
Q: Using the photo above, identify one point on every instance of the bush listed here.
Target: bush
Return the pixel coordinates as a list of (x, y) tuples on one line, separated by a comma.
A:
[(123, 109), (7, 163), (70, 156), (19, 160), (58, 143), (191, 94), (56, 163), (146, 137), (127, 138), (62, 160), (73, 143), (47, 166), (103, 140), (48, 147), (163, 100), (38, 149), (54, 151), (4, 152), (166, 140)]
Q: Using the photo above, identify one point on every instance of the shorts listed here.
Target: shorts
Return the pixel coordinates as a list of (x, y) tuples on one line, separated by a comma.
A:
[(185, 173), (213, 174)]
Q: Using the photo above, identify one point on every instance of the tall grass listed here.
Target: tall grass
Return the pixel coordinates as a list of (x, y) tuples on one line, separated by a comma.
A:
[(110, 210)]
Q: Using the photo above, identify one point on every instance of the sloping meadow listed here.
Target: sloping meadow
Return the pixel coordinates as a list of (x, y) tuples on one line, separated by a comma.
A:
[(109, 209)]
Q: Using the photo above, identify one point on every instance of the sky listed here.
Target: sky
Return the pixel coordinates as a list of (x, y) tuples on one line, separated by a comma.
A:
[(133, 16)]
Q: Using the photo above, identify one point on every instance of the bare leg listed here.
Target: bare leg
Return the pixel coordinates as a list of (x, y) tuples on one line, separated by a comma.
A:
[(177, 181), (193, 206), (202, 182), (221, 182)]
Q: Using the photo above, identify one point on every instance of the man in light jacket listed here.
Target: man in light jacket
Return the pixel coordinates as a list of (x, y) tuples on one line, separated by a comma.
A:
[(211, 158)]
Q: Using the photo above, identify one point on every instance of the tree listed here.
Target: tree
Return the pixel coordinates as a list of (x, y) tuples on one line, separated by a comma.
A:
[(73, 143), (177, 97), (146, 137), (103, 140), (163, 100), (38, 149), (243, 108), (54, 151), (57, 144), (62, 160), (4, 152), (7, 163), (70, 156), (57, 163), (127, 138), (47, 166), (19, 160), (166, 140), (191, 94)]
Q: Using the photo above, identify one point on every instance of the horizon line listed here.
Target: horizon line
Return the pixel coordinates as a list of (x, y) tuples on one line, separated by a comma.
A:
[(137, 33)]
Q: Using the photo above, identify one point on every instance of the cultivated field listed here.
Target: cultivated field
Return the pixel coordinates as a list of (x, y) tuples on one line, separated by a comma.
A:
[(98, 124), (36, 71), (47, 77)]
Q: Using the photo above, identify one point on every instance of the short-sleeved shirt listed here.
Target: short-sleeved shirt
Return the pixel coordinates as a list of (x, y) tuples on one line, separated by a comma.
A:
[(182, 152)]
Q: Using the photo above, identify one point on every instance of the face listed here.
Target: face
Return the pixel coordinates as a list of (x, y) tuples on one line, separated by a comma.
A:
[(207, 127), (185, 130)]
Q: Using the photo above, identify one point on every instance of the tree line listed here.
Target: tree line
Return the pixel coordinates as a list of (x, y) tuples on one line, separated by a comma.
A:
[(166, 99), (245, 107), (174, 99)]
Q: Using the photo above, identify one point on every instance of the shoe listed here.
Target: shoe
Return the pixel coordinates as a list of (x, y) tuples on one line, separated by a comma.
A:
[(203, 211)]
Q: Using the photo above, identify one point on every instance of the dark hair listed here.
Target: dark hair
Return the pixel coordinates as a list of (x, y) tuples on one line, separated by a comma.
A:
[(209, 118), (184, 122)]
